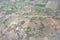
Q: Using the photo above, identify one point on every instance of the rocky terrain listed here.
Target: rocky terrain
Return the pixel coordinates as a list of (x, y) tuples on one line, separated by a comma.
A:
[(29, 20)]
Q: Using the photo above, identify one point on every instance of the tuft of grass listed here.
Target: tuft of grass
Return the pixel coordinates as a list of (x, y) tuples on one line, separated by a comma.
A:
[(22, 22), (38, 8)]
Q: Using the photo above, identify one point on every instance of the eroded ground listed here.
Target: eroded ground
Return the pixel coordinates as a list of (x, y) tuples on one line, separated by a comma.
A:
[(29, 20)]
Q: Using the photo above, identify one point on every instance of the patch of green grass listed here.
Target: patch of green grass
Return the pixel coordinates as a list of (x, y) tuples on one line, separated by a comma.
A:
[(38, 8), (12, 11), (1, 10), (18, 4), (9, 5), (22, 22)]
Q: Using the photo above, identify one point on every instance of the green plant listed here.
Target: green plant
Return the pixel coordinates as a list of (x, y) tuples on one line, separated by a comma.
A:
[(12, 11), (1, 10), (22, 22), (57, 18), (38, 8)]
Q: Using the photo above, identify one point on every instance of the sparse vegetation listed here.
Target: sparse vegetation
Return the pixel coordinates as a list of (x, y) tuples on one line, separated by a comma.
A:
[(29, 19), (57, 18), (22, 22), (38, 8)]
